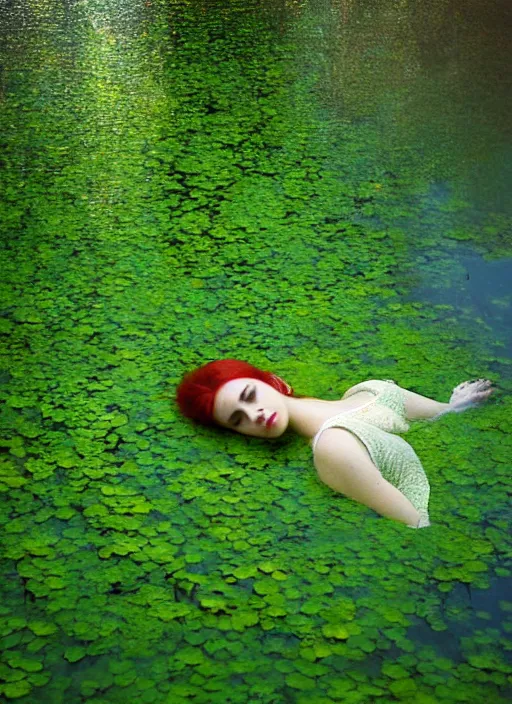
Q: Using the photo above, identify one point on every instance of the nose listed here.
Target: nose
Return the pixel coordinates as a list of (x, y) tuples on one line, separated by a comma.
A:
[(260, 417)]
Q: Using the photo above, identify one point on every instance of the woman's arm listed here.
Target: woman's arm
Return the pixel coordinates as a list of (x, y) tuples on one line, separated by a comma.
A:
[(465, 395), (343, 463), (419, 407)]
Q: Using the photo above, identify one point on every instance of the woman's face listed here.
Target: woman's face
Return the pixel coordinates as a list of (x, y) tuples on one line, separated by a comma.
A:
[(251, 407)]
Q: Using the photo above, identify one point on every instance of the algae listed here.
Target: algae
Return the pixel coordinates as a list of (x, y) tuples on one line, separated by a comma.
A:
[(184, 184)]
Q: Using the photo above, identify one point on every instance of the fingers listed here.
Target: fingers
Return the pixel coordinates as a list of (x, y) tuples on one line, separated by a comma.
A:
[(477, 384), (482, 395), (470, 393)]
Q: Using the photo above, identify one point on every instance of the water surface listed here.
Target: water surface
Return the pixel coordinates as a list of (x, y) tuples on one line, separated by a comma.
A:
[(321, 188)]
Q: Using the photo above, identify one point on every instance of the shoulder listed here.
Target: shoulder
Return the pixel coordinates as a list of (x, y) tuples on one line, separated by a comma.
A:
[(337, 447), (343, 463), (374, 385)]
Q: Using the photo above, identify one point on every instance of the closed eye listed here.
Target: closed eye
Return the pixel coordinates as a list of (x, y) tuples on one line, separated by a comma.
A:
[(235, 419)]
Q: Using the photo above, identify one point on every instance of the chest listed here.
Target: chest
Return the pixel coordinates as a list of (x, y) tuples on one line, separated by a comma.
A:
[(352, 403)]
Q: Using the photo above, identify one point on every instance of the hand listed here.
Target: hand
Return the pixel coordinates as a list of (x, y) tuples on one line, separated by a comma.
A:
[(470, 394)]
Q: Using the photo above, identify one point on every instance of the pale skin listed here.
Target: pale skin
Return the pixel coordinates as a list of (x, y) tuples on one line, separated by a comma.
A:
[(252, 407)]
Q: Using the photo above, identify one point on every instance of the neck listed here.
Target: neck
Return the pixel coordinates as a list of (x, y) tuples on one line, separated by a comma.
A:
[(307, 415)]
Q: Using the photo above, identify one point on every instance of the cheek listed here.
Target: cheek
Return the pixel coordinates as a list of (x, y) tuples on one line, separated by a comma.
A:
[(281, 424), (249, 433)]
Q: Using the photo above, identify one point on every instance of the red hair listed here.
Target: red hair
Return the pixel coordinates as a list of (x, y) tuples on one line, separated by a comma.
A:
[(196, 393)]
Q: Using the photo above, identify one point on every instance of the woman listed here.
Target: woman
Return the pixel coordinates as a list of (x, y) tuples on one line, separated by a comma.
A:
[(355, 447)]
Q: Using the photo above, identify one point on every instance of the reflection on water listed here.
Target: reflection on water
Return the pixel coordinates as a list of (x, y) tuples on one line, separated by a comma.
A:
[(435, 78)]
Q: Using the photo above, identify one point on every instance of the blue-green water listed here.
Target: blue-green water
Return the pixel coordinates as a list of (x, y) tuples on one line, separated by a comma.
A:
[(320, 188)]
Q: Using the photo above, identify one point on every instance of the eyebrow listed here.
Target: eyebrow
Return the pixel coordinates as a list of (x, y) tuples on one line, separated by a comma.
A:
[(242, 398)]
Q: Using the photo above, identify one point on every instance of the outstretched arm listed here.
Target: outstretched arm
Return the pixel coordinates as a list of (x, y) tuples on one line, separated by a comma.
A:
[(418, 407), (465, 395)]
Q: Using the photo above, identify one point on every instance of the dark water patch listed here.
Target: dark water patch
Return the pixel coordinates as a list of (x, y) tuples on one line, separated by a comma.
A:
[(470, 285)]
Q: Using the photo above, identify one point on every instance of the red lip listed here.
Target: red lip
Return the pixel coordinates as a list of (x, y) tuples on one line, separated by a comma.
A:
[(270, 421)]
